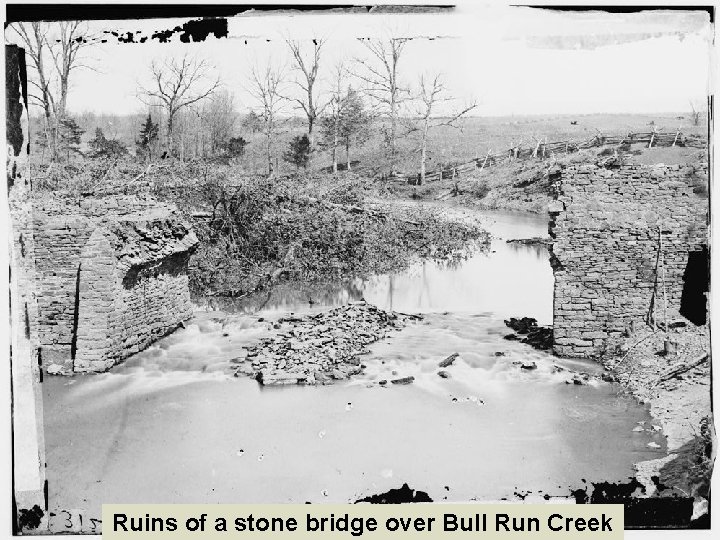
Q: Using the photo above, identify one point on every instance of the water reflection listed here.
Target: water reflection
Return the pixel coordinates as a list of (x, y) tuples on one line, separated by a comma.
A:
[(289, 296), (507, 282), (539, 250), (507, 279)]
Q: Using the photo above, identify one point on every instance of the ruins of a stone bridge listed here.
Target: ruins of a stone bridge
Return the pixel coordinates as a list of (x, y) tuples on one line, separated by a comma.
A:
[(111, 276), (629, 247)]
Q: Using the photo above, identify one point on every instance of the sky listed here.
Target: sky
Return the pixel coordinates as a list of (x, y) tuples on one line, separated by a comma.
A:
[(507, 60)]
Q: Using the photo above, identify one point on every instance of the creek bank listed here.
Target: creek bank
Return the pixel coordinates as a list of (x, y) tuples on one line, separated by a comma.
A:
[(673, 380), (679, 399), (321, 348), (641, 364)]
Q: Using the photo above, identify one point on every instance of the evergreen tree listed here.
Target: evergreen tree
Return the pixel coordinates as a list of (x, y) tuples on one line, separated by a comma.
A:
[(299, 151), (147, 141), (101, 147), (354, 122), (68, 137), (253, 122), (235, 147)]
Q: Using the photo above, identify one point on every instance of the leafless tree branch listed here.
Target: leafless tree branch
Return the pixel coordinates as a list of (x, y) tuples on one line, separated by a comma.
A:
[(308, 66), (178, 83)]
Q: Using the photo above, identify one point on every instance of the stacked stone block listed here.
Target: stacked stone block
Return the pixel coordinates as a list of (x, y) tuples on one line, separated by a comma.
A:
[(98, 312), (112, 278), (605, 227)]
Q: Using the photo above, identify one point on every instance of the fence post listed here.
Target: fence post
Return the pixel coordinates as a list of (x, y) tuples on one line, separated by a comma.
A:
[(485, 160)]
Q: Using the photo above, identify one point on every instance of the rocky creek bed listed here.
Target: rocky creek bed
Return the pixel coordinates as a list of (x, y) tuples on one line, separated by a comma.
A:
[(320, 348)]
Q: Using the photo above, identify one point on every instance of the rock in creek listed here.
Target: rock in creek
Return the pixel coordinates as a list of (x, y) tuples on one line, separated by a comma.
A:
[(321, 348), (539, 337), (534, 241), (579, 379), (523, 325), (449, 360)]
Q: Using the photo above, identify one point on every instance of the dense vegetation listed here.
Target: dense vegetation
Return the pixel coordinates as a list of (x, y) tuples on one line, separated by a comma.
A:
[(256, 232)]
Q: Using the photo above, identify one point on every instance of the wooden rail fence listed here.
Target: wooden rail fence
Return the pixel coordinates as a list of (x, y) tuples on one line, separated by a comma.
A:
[(545, 150)]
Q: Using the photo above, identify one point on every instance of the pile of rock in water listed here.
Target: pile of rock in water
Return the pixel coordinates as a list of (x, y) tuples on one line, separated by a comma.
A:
[(540, 337), (320, 348), (534, 241)]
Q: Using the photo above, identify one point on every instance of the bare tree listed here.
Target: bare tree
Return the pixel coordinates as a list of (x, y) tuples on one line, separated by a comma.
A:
[(177, 84), (308, 75), (34, 40), (266, 86), (331, 121), (431, 93), (71, 39), (696, 113), (380, 74), (219, 116), (55, 53)]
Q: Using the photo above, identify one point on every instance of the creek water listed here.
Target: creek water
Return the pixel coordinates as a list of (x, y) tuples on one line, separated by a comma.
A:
[(172, 425)]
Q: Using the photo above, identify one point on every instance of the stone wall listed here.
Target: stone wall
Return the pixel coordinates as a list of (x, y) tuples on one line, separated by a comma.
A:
[(605, 227), (112, 278)]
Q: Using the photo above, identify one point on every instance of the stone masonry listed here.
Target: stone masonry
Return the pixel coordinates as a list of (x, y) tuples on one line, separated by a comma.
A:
[(112, 278), (605, 227)]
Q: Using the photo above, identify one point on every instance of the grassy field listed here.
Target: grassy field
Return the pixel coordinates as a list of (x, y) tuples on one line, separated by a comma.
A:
[(474, 138), (525, 185)]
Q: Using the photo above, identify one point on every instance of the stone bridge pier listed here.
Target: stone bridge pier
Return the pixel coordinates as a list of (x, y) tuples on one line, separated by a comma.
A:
[(623, 238)]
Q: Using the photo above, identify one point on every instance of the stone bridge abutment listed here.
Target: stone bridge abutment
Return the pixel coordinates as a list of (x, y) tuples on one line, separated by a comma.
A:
[(623, 239), (111, 278)]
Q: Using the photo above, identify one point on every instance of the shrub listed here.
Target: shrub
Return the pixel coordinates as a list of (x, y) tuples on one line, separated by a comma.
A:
[(101, 147), (481, 189), (299, 152)]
